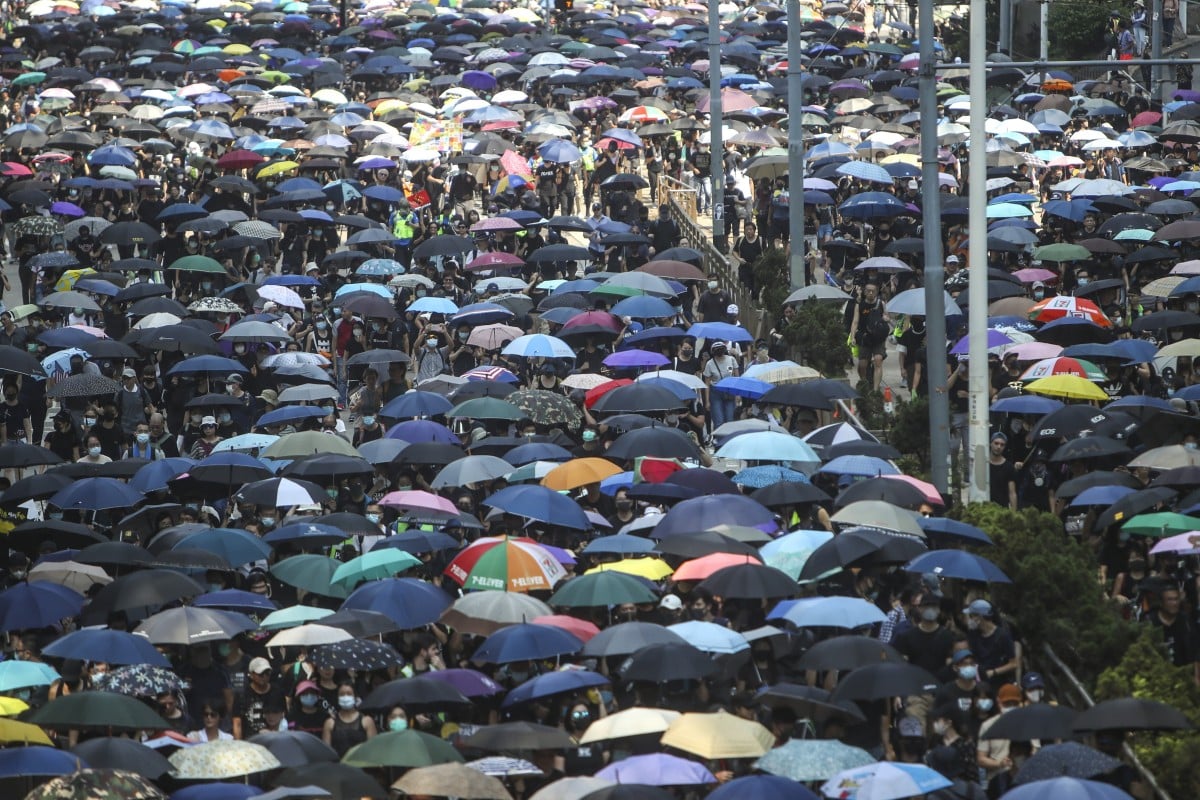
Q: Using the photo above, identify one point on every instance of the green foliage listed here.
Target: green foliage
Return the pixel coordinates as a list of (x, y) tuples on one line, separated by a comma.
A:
[(1055, 596), (818, 334), (910, 435), (1146, 673), (869, 407), (1076, 29), (772, 279)]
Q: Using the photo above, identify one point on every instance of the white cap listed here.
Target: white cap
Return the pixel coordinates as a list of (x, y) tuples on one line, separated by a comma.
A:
[(258, 666), (208, 421), (671, 602), (731, 309), (951, 259), (128, 373)]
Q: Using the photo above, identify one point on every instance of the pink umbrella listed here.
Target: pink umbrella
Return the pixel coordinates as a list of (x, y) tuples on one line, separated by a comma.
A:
[(1034, 351), (1033, 274), (700, 568), (496, 224), (731, 100), (928, 489), (1182, 543), (490, 260), (417, 500)]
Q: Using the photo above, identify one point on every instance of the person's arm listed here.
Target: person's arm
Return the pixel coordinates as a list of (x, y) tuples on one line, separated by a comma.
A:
[(327, 732), (1012, 494), (237, 727), (369, 726), (854, 322)]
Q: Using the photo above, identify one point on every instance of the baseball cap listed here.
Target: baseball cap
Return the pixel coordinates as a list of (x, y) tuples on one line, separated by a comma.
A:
[(259, 665), (951, 259), (961, 656), (979, 608), (731, 309), (233, 378), (311, 266), (305, 686), (1008, 693), (208, 421), (1032, 680), (671, 602), (128, 373)]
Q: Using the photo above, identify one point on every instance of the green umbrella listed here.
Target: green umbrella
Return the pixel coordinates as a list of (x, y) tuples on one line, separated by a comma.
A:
[(313, 573), (375, 564), (608, 588), (292, 616), (97, 784), (486, 408), (546, 408), (1163, 523), (197, 263), (1062, 251), (28, 79), (95, 709), (308, 443), (404, 749)]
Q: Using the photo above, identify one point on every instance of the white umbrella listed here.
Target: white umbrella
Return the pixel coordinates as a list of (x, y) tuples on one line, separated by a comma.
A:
[(308, 636), (280, 295), (158, 319)]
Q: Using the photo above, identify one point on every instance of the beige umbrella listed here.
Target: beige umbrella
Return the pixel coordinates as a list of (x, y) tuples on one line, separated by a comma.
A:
[(71, 574), (881, 515), (308, 443), (215, 761), (1011, 307), (451, 780), (1169, 457), (484, 613), (570, 788), (719, 735), (635, 721), (585, 381), (1187, 348), (308, 635)]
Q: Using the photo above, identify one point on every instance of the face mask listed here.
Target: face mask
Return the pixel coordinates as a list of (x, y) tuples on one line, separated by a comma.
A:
[(368, 421), (308, 700), (31, 347), (93, 451), (939, 727), (333, 493), (972, 623), (696, 613), (78, 311), (1038, 294), (322, 325), (143, 438), (358, 331), (223, 648), (589, 436), (337, 312), (969, 672), (206, 286), (984, 704), (398, 724), (929, 614), (346, 701), (373, 519), (463, 335), (431, 343), (1083, 281), (239, 348), (519, 677), (226, 419), (267, 522), (327, 409), (1035, 695)]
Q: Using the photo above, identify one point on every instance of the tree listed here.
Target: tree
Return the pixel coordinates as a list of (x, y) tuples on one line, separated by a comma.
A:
[(818, 336)]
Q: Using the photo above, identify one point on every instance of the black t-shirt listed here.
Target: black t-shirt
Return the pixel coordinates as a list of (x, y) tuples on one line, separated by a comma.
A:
[(249, 706), (111, 439), (1179, 638), (749, 251), (1001, 474), (992, 651), (702, 161), (14, 417), (926, 650)]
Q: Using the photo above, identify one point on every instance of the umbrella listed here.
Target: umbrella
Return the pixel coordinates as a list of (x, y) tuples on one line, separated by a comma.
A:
[(526, 642), (657, 769), (507, 564), (187, 626), (1065, 788), (37, 760), (627, 638), (108, 646), (451, 780), (420, 692), (112, 752), (766, 787), (518, 736), (553, 683), (97, 709), (847, 653), (1070, 759), (340, 780), (144, 589), (295, 748), (402, 749), (37, 605), (659, 663), (719, 735), (360, 654), (884, 781), (886, 679), (812, 759), (1132, 714), (958, 564), (97, 784), (484, 613), (602, 589), (628, 723), (222, 759)]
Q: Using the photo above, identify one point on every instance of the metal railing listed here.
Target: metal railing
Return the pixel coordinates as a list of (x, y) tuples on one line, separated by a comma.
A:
[(1069, 686), (681, 200)]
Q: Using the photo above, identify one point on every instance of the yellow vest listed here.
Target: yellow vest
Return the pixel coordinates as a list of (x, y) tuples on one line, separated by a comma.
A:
[(402, 227)]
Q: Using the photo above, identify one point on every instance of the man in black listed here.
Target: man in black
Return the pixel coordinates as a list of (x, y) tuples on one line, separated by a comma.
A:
[(1003, 476), (547, 187), (664, 234), (248, 716), (927, 644), (17, 424), (713, 303), (749, 249), (1178, 634), (700, 168), (463, 187)]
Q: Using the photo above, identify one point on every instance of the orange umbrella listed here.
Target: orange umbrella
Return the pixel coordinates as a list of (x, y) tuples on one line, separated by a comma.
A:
[(597, 392), (579, 472), (700, 568), (230, 75)]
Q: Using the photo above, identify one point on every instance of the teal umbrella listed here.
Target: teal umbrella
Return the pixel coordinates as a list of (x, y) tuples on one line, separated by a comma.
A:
[(312, 573), (373, 565), (608, 588), (812, 759)]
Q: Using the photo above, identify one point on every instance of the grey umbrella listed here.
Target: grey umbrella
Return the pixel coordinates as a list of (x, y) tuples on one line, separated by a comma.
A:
[(628, 638), (1070, 759), (308, 392), (83, 386), (295, 748), (70, 300), (189, 625), (471, 469), (255, 331)]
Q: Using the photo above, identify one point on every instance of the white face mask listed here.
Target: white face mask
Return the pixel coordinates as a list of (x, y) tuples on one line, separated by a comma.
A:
[(346, 701), (143, 438), (1035, 695), (93, 451)]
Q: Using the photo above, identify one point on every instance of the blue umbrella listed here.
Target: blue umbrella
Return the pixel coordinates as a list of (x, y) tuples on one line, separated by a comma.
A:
[(560, 151), (722, 331), (481, 314), (952, 528), (872, 205), (236, 546), (769, 446), (66, 337), (154, 476), (958, 564), (384, 194), (707, 512), (37, 605), (236, 599), (415, 404), (417, 431), (623, 135), (743, 387), (23, 674), (538, 345), (828, 612), (710, 637), (281, 416), (801, 541), (762, 787), (552, 683), (1066, 789), (38, 760), (618, 544), (408, 602), (419, 541), (230, 468), (1100, 496), (206, 364), (108, 646), (676, 388), (433, 305), (526, 642), (1026, 404), (767, 475), (247, 442), (95, 494), (541, 504), (306, 534), (643, 307)]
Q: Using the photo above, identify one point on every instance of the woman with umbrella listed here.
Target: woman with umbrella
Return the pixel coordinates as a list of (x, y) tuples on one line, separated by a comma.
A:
[(348, 726)]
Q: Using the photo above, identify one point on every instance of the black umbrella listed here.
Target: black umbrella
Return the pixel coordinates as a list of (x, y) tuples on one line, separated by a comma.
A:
[(418, 693), (627, 638), (1069, 759), (1089, 447), (697, 545), (799, 395), (444, 245), (36, 487), (360, 654), (559, 252), (898, 493), (174, 339), (295, 748), (15, 360), (860, 545), (62, 534), (656, 442), (1133, 504), (129, 233), (629, 791), (111, 752), (1165, 321), (1132, 714), (1073, 487), (847, 652), (327, 465), (361, 623), (863, 448), (1069, 422), (789, 493), (886, 679), (349, 523), (638, 398), (1037, 721), (85, 385), (117, 554), (139, 590), (659, 663), (515, 736), (809, 702), (750, 581), (20, 454), (342, 781)]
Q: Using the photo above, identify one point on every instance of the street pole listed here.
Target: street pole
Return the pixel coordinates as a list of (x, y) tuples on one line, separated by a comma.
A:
[(795, 96), (716, 146), (1156, 37), (977, 231), (1004, 39), (935, 272), (1044, 21)]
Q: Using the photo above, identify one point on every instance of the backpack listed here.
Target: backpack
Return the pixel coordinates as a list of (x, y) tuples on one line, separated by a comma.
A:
[(874, 329)]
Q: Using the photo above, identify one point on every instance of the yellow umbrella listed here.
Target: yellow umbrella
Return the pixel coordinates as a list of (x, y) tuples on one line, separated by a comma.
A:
[(579, 472), (67, 282), (652, 569), (277, 168), (21, 312), (12, 732), (11, 706), (636, 721), (719, 735), (390, 105), (236, 49), (1067, 387)]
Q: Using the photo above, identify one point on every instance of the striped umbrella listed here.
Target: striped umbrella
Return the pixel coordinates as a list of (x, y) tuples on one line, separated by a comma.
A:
[(506, 564)]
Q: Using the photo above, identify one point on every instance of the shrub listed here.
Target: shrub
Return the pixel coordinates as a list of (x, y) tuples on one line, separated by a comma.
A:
[(1146, 673), (1055, 596), (818, 335), (772, 279), (910, 435)]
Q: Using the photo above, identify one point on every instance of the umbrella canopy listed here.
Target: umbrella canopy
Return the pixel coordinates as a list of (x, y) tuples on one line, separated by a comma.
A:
[(220, 760), (719, 735)]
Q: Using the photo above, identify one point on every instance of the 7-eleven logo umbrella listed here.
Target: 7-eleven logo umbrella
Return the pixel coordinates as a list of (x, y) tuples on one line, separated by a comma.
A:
[(1053, 308), (507, 565)]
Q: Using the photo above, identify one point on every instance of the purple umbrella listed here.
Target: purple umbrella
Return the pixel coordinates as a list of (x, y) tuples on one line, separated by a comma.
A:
[(657, 769), (467, 681), (635, 358), (476, 79), (67, 209), (994, 339)]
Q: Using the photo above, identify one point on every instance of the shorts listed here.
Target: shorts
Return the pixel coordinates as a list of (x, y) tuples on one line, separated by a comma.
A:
[(868, 350)]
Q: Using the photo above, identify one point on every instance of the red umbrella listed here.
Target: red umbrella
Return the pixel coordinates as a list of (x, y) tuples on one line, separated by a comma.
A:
[(580, 628), (1146, 118), (1060, 306), (596, 393), (239, 159)]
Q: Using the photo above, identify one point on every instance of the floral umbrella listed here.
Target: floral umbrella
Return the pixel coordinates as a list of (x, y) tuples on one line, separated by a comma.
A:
[(97, 784), (140, 680), (222, 759)]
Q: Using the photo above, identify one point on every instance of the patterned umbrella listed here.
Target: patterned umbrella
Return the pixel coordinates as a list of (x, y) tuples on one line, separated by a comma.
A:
[(140, 680), (222, 759), (513, 565), (812, 759), (257, 229), (97, 784), (85, 385), (218, 305), (361, 654), (37, 225), (546, 408), (451, 780)]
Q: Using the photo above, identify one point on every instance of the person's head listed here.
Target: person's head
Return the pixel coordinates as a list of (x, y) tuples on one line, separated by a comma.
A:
[(94, 448), (870, 293), (714, 287), (10, 392), (578, 717), (751, 230), (998, 443), (1170, 599), (347, 700), (1008, 698), (274, 708), (964, 665), (1034, 686), (979, 614), (946, 718), (259, 671), (397, 719), (211, 712), (308, 695), (208, 426)]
